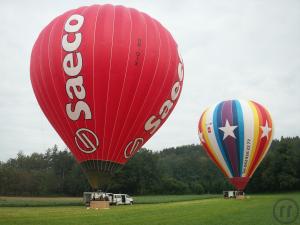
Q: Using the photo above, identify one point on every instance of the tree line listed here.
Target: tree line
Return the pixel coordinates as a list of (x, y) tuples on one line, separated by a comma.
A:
[(180, 170)]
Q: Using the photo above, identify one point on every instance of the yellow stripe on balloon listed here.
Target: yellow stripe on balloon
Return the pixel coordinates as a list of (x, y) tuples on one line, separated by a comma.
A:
[(206, 138), (255, 135)]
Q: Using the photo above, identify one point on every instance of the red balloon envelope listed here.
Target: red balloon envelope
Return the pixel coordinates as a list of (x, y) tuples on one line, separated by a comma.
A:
[(106, 77)]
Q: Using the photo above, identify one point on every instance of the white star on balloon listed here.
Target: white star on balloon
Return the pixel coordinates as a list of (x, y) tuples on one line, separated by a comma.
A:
[(201, 137), (228, 130), (265, 130)]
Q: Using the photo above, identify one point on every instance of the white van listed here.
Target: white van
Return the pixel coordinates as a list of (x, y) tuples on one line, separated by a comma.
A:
[(114, 199), (119, 199)]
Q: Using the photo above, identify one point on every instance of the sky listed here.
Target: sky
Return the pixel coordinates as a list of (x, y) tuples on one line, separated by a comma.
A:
[(231, 49)]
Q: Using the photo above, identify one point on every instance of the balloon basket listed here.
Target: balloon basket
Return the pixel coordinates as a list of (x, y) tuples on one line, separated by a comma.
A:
[(99, 205), (240, 195)]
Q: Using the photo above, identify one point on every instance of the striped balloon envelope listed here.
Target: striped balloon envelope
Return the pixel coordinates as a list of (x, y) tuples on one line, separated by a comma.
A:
[(236, 135)]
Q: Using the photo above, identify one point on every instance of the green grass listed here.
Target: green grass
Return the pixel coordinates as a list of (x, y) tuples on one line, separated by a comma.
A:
[(170, 198), (39, 201), (256, 210), (65, 201)]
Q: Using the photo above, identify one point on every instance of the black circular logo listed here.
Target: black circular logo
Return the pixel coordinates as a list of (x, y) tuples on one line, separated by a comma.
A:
[(286, 211)]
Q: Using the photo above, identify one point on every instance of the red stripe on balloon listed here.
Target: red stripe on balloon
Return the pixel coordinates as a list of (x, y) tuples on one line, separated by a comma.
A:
[(263, 141)]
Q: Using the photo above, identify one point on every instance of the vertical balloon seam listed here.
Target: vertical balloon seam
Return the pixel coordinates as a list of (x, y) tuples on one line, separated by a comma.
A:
[(93, 79), (42, 82), (61, 133), (218, 150), (259, 146), (262, 121), (241, 135), (216, 123), (133, 13), (270, 138), (42, 76), (90, 160), (121, 95), (220, 135), (248, 134), (140, 75), (37, 70), (154, 102), (106, 137), (132, 100), (264, 153), (213, 143), (115, 154), (232, 151), (257, 135), (264, 140), (109, 88), (64, 17), (209, 153), (97, 21), (151, 83), (108, 85), (270, 123), (236, 156), (131, 131), (206, 144), (263, 149), (99, 8)]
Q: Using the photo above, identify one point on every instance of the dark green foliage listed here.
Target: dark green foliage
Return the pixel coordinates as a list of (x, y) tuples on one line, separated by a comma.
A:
[(181, 170)]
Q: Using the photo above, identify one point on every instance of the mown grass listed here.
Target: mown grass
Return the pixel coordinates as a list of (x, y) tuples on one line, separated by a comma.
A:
[(65, 201), (39, 201), (170, 198), (256, 210)]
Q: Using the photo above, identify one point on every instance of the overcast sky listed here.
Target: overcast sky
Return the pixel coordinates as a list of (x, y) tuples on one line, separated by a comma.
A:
[(231, 49)]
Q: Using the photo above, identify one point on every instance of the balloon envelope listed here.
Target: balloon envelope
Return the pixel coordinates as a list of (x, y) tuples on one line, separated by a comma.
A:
[(106, 77), (236, 134)]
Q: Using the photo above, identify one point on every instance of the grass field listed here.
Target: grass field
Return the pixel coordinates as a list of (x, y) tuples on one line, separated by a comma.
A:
[(65, 201), (256, 210), (39, 201)]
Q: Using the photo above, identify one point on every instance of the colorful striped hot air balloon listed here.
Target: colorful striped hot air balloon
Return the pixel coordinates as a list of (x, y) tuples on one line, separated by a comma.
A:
[(237, 135)]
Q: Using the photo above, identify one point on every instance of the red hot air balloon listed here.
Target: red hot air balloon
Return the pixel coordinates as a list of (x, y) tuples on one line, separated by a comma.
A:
[(106, 77), (236, 135)]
